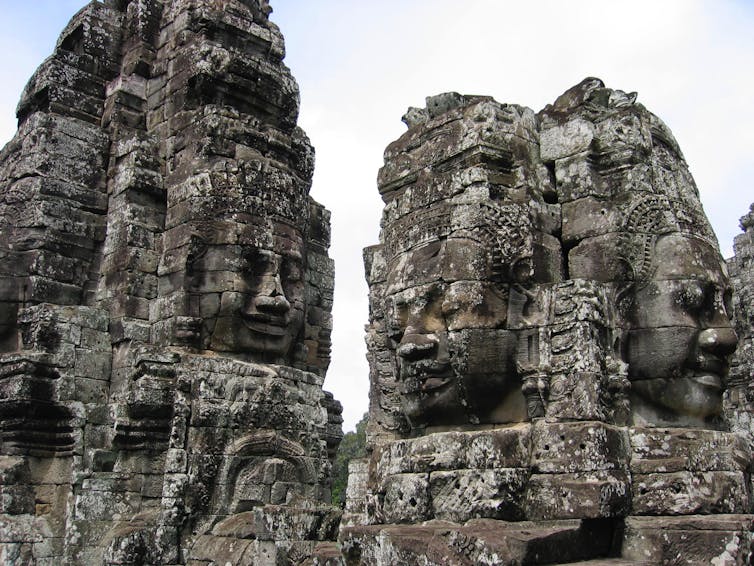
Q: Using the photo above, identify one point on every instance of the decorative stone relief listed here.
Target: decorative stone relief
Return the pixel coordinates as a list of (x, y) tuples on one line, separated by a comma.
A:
[(165, 298), (549, 342)]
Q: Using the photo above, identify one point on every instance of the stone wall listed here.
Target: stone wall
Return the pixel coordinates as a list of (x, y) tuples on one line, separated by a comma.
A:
[(739, 396), (549, 334), (549, 340), (165, 292)]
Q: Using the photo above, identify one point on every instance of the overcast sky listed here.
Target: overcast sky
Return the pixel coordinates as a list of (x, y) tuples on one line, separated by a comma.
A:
[(361, 63)]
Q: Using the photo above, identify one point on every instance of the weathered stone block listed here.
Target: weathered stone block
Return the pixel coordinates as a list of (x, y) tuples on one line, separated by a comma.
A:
[(483, 541), (689, 493), (16, 499), (406, 499), (441, 451), (585, 494), (462, 495), (588, 217), (675, 450), (578, 447), (507, 447), (721, 539), (597, 257), (571, 138), (576, 178)]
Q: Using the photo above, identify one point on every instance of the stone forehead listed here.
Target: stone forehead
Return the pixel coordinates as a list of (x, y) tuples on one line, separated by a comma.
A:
[(651, 219), (503, 228), (254, 231), (658, 213), (245, 189), (443, 261), (682, 257)]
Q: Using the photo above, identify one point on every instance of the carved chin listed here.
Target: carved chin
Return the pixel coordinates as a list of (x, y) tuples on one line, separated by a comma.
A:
[(432, 401), (695, 397), (437, 407)]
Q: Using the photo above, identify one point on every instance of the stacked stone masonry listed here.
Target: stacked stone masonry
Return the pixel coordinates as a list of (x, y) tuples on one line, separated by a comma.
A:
[(549, 334), (165, 294), (549, 340)]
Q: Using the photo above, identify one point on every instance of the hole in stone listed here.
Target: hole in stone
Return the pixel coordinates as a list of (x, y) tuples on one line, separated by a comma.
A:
[(547, 446), (412, 502), (551, 196), (582, 446), (74, 41)]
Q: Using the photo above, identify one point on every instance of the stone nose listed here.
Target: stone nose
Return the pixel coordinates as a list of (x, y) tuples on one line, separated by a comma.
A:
[(721, 341), (272, 304), (271, 296), (416, 346)]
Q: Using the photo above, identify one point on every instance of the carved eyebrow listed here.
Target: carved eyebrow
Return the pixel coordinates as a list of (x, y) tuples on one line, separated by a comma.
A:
[(692, 290), (292, 268), (294, 254)]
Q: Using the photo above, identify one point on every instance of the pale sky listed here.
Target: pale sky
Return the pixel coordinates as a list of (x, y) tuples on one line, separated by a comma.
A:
[(361, 63)]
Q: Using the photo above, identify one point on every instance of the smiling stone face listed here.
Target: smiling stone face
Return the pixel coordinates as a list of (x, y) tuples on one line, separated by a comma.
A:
[(251, 297), (681, 336), (446, 319)]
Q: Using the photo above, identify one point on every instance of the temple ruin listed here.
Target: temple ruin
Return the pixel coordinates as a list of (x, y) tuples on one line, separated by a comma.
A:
[(555, 374), (166, 298), (549, 341)]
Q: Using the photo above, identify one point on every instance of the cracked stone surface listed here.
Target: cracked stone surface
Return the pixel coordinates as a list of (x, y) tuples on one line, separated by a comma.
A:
[(165, 298), (549, 335), (549, 342)]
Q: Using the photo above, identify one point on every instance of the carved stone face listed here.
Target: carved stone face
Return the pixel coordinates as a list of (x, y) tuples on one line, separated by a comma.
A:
[(681, 335), (256, 310), (445, 319)]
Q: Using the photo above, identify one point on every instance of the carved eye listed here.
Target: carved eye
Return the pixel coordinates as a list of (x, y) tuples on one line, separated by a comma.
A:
[(716, 301), (291, 271), (257, 263), (692, 297), (728, 302), (397, 320)]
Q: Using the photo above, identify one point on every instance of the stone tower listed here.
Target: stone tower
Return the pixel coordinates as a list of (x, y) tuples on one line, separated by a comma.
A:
[(165, 291), (739, 399), (548, 341)]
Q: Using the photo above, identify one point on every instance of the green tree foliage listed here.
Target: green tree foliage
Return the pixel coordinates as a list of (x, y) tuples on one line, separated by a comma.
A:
[(352, 446)]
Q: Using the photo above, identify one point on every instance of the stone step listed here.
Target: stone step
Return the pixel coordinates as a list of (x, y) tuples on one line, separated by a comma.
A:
[(479, 541), (609, 562)]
